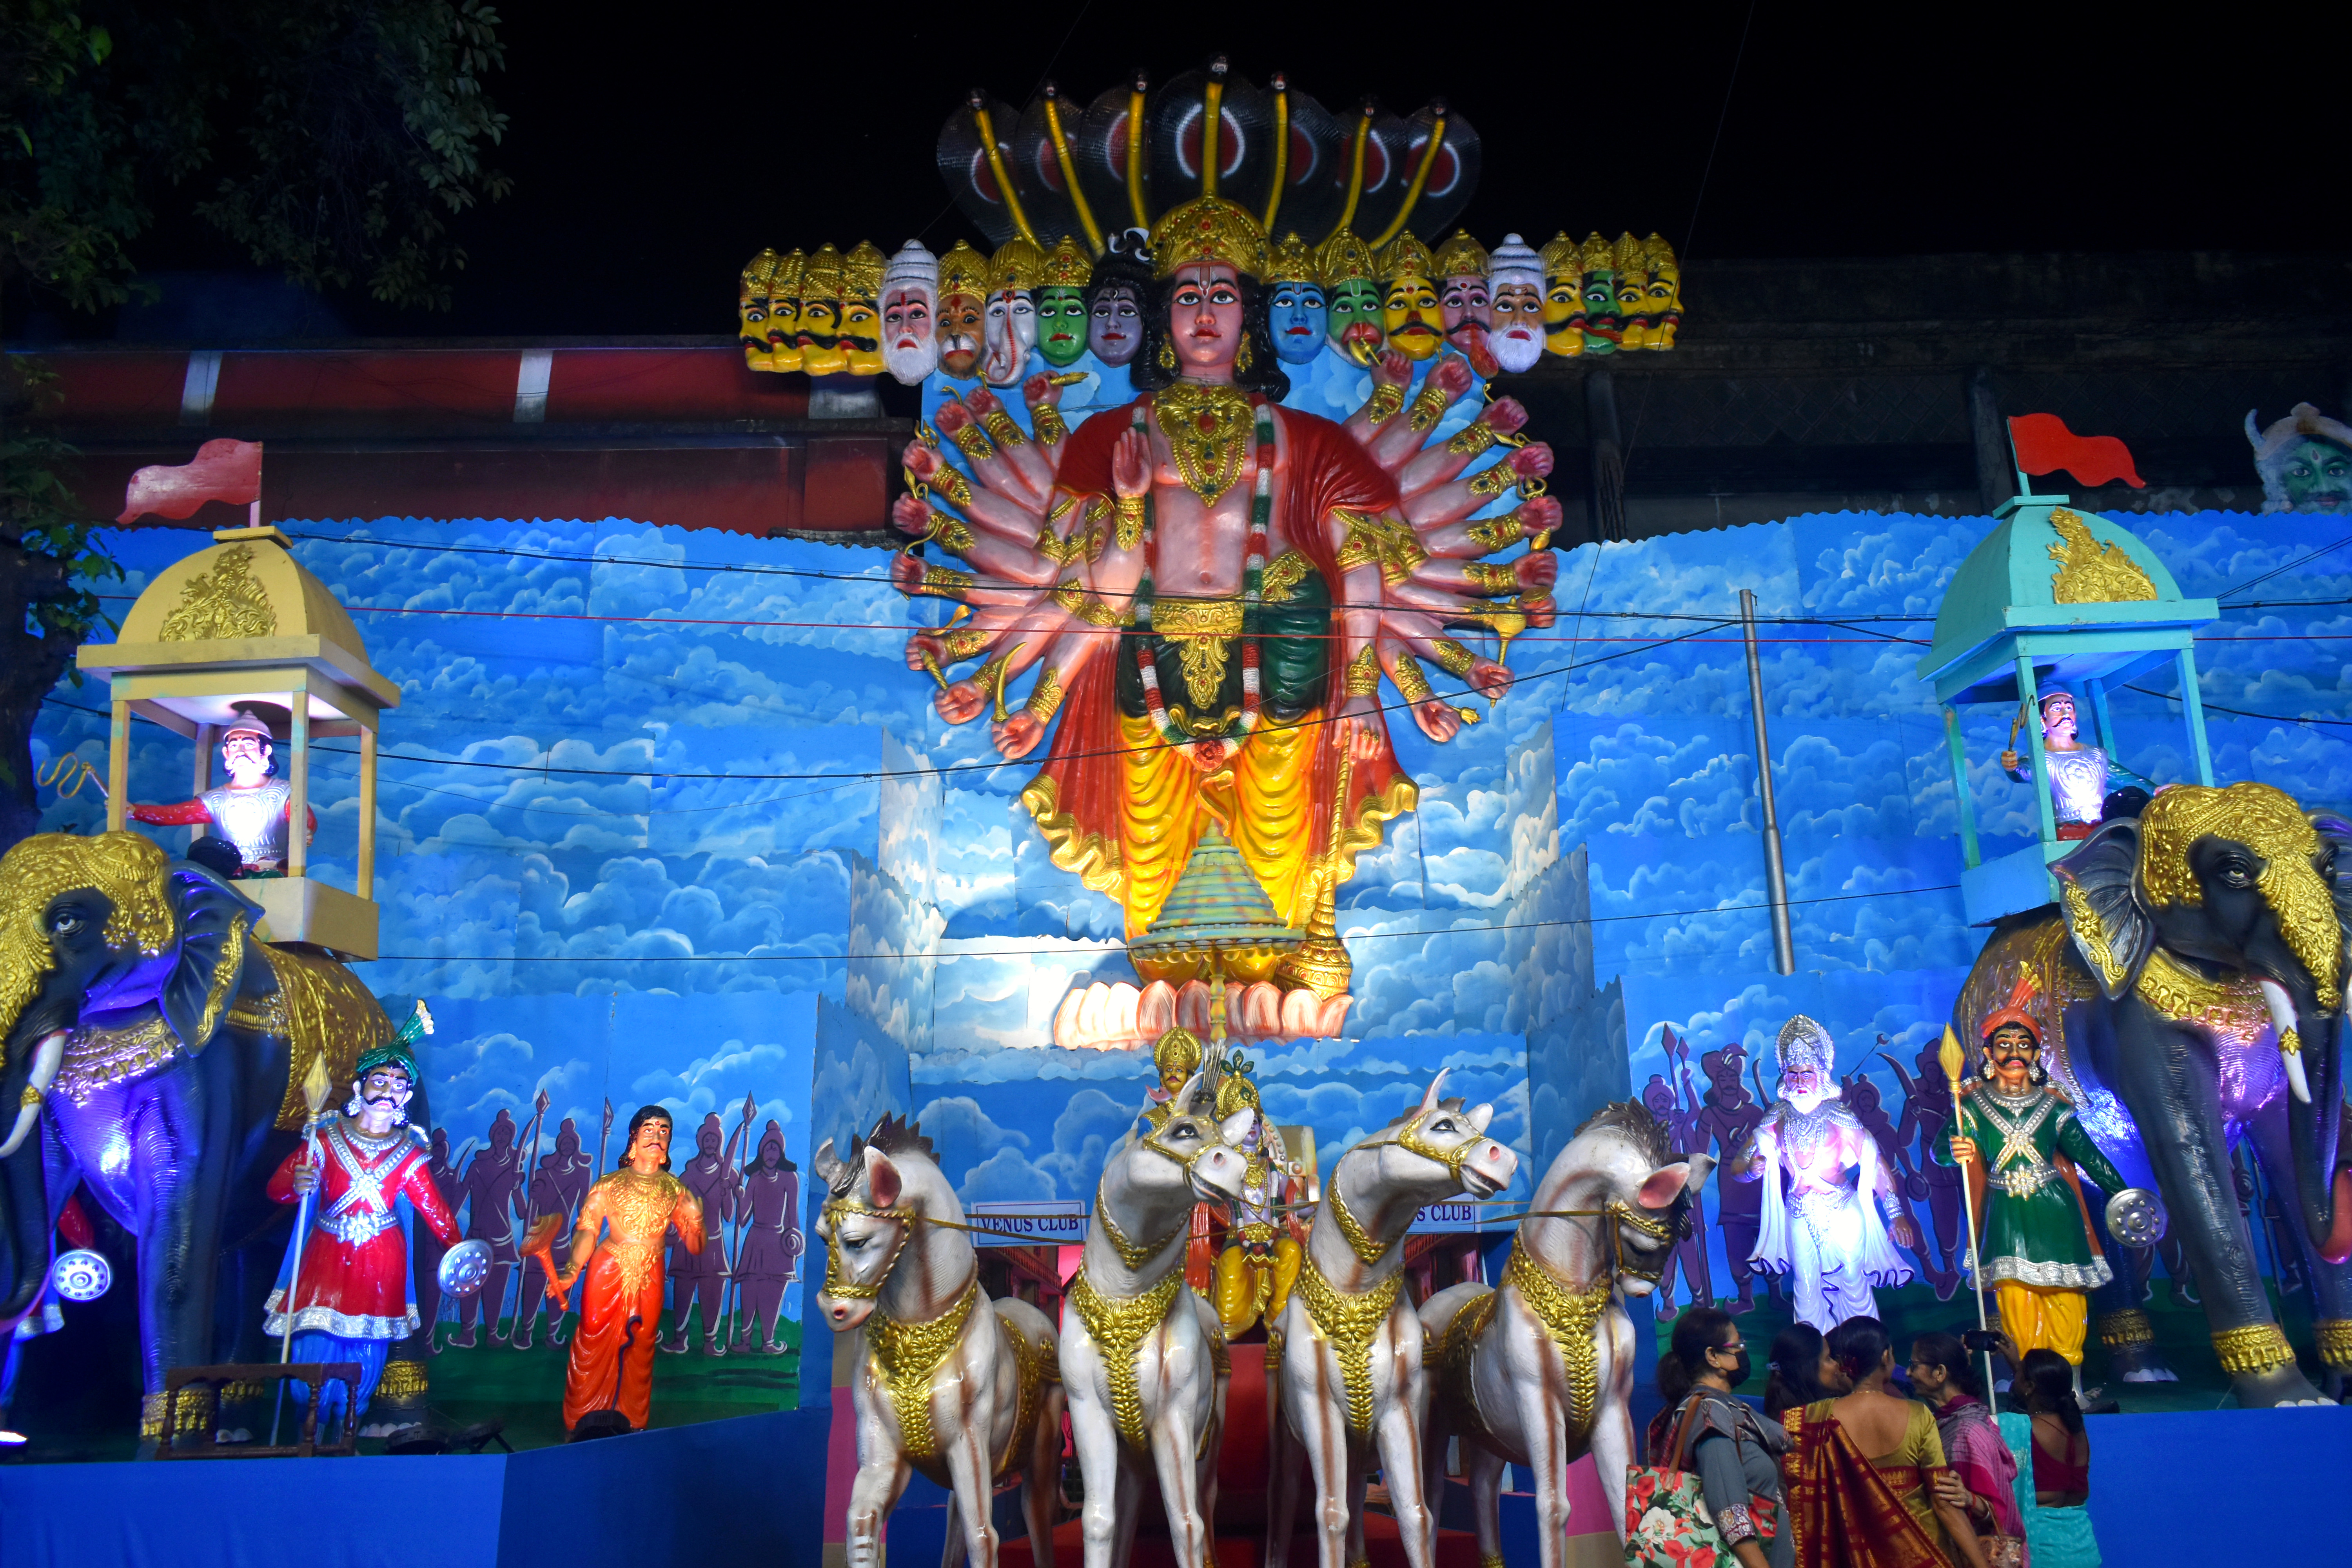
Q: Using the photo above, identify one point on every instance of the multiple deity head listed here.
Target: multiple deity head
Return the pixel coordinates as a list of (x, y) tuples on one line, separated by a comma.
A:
[(2304, 461), (973, 315)]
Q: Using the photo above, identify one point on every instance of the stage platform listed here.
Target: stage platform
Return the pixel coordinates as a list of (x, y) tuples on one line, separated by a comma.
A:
[(2221, 1486)]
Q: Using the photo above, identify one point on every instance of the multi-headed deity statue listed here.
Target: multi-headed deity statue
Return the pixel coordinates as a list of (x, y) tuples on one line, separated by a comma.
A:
[(1828, 1234)]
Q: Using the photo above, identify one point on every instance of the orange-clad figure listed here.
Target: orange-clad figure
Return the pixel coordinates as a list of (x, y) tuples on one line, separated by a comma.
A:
[(618, 1245)]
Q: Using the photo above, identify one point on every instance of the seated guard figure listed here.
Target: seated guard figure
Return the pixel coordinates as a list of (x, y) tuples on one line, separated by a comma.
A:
[(250, 811)]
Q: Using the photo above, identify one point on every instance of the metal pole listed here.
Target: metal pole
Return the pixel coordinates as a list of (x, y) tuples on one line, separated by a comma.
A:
[(1776, 879)]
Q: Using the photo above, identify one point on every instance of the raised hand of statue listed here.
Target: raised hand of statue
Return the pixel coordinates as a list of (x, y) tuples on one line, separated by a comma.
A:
[(2010, 761), (921, 460), (1539, 516), (912, 514), (1130, 463), (1392, 369), (1451, 377), (1360, 725), (953, 415), (1438, 718), (1532, 461), (961, 703), (1964, 1150), (1493, 680), (1039, 392), (1535, 572), (1505, 415), (1017, 736), (925, 646)]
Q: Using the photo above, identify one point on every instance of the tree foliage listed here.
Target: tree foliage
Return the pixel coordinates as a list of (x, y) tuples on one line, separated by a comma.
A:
[(333, 139)]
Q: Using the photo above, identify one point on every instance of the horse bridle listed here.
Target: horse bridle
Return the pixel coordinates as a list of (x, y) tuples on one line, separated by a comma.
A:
[(835, 1283), (1134, 1255), (1408, 1139)]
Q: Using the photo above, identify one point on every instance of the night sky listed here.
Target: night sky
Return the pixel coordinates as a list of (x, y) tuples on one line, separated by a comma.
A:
[(653, 156)]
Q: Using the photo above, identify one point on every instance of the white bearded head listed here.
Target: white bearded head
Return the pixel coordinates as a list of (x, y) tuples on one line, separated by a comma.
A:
[(1807, 1057), (1012, 329), (1515, 285), (911, 309)]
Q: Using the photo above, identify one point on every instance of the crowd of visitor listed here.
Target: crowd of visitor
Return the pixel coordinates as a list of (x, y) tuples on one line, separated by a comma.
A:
[(1851, 1467)]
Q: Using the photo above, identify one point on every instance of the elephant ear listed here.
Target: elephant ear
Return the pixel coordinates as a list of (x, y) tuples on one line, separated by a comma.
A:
[(2335, 834), (215, 938), (2111, 930)]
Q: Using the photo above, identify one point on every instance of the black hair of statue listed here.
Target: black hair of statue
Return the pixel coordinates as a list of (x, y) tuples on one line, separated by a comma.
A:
[(646, 1113), (1118, 269), (1264, 374)]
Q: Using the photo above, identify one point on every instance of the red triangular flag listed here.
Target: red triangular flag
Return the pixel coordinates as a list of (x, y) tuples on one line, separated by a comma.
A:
[(2044, 444), (221, 470)]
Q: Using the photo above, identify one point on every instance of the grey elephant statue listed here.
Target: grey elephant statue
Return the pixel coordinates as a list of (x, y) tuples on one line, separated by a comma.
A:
[(2192, 982), (153, 1049)]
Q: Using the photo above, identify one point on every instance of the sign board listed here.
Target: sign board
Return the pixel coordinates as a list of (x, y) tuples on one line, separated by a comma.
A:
[(1438, 1219), (1033, 1222)]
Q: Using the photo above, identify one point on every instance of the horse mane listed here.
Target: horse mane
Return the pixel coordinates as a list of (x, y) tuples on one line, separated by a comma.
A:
[(1637, 1123), (895, 1135)]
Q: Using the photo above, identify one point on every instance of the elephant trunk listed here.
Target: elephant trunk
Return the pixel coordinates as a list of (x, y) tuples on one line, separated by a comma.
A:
[(2311, 1046)]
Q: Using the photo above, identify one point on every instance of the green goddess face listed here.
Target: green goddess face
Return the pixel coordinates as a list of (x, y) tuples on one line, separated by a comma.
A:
[(1061, 323), (1355, 326)]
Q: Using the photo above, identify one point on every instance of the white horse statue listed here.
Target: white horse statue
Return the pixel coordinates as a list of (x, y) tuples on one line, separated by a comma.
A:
[(966, 1394), (1143, 1358), (1348, 1345), (1539, 1369)]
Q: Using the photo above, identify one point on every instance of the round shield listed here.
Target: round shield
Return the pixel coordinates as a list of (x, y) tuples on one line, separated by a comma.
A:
[(464, 1267), (82, 1274), (2136, 1217)]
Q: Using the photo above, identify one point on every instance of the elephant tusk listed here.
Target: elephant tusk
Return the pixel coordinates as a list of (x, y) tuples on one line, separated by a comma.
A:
[(2290, 1044), (48, 1057)]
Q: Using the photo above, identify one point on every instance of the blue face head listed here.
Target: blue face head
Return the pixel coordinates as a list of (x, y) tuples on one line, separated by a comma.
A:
[(1296, 311)]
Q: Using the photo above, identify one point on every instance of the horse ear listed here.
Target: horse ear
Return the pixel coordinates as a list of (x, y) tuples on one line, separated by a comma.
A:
[(1664, 1185), (1429, 1100), (1237, 1126), (888, 1185), (829, 1166), (1479, 1116)]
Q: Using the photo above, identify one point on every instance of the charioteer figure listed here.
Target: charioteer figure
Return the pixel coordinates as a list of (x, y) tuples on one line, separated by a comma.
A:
[(251, 811), (2080, 776), (1260, 1261)]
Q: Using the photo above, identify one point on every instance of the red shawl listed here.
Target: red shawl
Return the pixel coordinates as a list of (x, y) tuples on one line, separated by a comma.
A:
[(1326, 469), (1844, 1514)]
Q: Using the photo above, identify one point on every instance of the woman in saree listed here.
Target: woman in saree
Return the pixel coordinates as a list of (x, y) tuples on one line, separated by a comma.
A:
[(1983, 1472), (1862, 1468), (2053, 1457)]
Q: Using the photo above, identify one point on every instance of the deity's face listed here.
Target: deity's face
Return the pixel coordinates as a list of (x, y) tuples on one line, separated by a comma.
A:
[(1603, 327), (1663, 296), (820, 337), (1517, 333), (1563, 313), (771, 1153), (1115, 330), (1412, 317), (1355, 326), (246, 757), (2317, 475), (1465, 298), (1801, 1079), (861, 334), (1009, 334), (1204, 319), (386, 1091), (752, 311), (910, 347), (2058, 727), (962, 334), (1061, 323), (2013, 1050), (649, 1150), (1296, 313), (784, 333)]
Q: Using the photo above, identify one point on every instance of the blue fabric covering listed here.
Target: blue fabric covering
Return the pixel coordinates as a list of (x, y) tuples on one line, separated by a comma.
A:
[(746, 1490)]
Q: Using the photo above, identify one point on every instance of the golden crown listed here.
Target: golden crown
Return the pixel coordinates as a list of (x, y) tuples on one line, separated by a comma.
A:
[(1659, 253), (963, 270), (1628, 255), (759, 272), (1560, 257), (1461, 257), (1596, 254), (1237, 1092), (821, 279), (1343, 256), (1066, 266), (1404, 257), (1291, 259), (1015, 265), (861, 272), (786, 282), (1207, 228), (1179, 1050)]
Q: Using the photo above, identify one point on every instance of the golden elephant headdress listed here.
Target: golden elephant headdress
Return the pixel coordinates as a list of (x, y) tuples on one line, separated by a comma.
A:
[(132, 871)]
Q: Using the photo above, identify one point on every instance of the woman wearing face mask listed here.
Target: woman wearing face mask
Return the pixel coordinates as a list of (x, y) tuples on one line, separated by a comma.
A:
[(1734, 1451)]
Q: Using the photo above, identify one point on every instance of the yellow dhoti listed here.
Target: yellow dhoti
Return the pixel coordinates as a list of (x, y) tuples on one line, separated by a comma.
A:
[(2040, 1318), (1247, 1286), (1263, 799)]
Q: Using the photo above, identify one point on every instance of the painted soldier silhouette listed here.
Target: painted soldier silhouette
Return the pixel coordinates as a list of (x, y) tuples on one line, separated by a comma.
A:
[(1927, 1106), (768, 1258), (428, 1248), (1689, 1254), (493, 1185), (701, 1277), (1728, 1116), (1863, 1099), (556, 1188)]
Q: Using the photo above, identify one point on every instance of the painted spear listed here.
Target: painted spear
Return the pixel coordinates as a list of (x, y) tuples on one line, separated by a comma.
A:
[(1952, 1060), (730, 1289)]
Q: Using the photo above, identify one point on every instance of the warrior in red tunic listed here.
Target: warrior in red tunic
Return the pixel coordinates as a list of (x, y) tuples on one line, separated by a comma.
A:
[(355, 1295)]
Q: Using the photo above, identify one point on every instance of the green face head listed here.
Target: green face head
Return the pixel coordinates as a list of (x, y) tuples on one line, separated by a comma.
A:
[(2317, 475), (1061, 323), (1355, 323)]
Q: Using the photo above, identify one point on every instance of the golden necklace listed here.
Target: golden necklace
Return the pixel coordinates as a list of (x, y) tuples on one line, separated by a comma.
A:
[(1119, 1324), (1567, 1316), (1208, 429), (1131, 1253), (1348, 1321), (1358, 1239), (907, 1356)]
